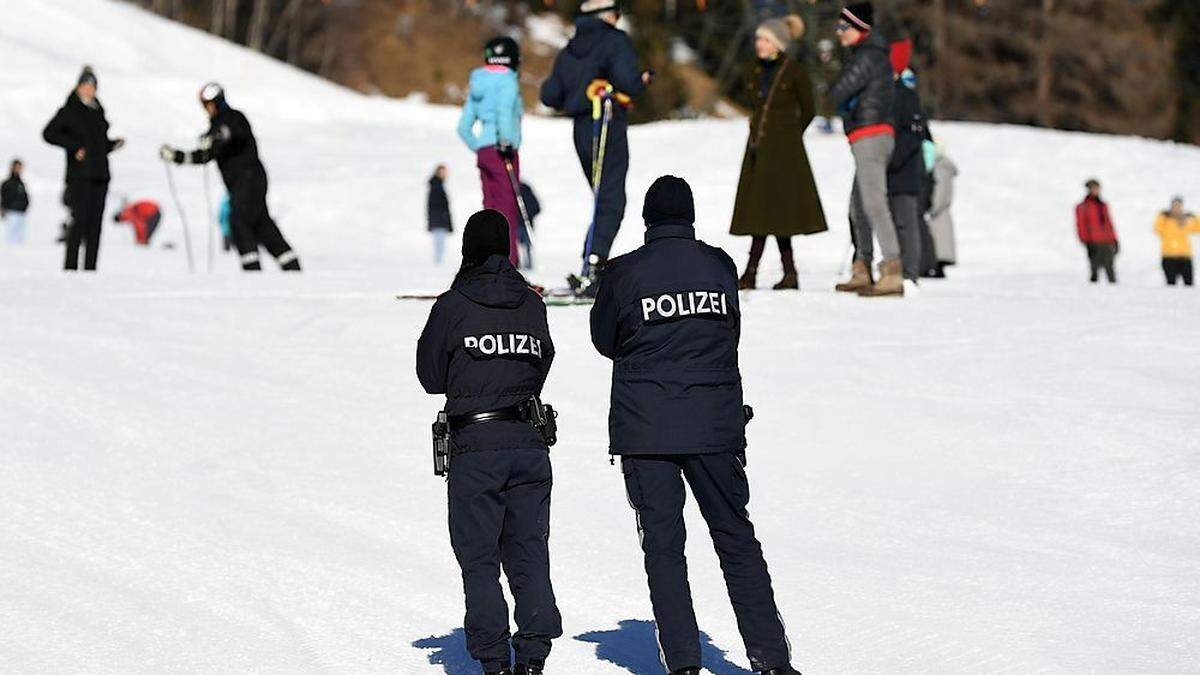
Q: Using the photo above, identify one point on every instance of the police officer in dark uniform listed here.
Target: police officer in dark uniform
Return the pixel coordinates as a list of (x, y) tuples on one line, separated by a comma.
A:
[(667, 315), (487, 347), (230, 141)]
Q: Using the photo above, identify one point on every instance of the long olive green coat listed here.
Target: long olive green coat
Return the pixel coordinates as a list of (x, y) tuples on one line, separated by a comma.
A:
[(777, 194)]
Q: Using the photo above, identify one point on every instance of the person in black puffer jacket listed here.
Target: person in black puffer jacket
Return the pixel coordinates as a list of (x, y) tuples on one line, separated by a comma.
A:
[(598, 51), (487, 347), (230, 141), (864, 97), (81, 129)]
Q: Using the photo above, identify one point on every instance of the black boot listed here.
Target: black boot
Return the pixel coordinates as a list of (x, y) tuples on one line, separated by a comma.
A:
[(527, 669), (785, 670), (691, 670), (749, 278), (790, 280), (503, 671)]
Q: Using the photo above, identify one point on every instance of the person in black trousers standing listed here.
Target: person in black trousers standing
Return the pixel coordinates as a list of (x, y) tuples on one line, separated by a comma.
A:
[(81, 129), (487, 348), (667, 315)]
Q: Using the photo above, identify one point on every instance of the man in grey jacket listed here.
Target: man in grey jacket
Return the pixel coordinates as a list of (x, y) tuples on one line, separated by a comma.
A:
[(864, 97)]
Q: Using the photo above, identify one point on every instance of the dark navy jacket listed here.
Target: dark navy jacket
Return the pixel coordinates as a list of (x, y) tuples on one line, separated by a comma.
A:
[(667, 315), (598, 50), (487, 346)]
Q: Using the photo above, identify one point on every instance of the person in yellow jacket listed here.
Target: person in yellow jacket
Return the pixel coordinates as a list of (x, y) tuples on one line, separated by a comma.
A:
[(1175, 227)]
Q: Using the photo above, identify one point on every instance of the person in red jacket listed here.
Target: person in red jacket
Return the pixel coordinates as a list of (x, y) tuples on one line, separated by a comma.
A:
[(144, 216), (1097, 233)]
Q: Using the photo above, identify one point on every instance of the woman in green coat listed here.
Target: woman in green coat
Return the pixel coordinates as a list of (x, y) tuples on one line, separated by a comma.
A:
[(777, 195)]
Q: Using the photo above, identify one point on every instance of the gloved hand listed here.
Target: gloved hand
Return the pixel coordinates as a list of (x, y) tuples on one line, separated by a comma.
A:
[(506, 150), (205, 143), (169, 154)]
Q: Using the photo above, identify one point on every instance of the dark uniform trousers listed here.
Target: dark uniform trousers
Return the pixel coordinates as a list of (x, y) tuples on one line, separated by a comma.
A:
[(610, 209), (655, 485), (252, 224), (499, 507), (87, 200)]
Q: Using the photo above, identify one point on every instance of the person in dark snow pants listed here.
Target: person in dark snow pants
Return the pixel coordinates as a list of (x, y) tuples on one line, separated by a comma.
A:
[(906, 171), (599, 51), (667, 315), (499, 476), (81, 129), (230, 142)]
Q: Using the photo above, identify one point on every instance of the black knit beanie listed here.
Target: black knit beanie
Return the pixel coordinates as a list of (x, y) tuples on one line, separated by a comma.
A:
[(669, 200), (485, 235), (88, 76)]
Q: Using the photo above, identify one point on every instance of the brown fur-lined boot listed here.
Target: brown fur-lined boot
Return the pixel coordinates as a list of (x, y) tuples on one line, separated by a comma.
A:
[(891, 281), (860, 278)]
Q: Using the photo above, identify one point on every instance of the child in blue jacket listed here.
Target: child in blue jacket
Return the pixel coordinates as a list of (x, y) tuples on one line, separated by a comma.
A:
[(491, 127)]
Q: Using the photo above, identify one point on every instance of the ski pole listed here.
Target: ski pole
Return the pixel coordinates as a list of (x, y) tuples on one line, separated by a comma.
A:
[(187, 238), (212, 223), (516, 186), (597, 176)]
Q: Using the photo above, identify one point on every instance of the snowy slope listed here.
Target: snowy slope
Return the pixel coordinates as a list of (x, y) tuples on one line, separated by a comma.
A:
[(207, 473)]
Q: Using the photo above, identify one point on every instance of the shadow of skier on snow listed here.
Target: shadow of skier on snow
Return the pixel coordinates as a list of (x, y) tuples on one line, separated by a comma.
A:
[(450, 652), (634, 647)]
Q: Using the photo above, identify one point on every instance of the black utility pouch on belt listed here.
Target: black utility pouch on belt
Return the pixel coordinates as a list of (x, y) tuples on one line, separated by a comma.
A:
[(441, 445)]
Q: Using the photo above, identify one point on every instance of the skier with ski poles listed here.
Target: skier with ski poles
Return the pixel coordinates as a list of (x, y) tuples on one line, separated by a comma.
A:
[(230, 142), (494, 104), (594, 80)]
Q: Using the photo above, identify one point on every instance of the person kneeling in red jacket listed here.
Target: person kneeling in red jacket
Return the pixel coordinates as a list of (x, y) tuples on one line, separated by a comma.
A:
[(1096, 231), (144, 216)]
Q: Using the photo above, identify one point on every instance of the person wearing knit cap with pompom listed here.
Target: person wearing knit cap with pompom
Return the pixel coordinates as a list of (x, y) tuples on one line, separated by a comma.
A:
[(668, 316), (487, 348), (777, 194), (81, 129), (863, 94)]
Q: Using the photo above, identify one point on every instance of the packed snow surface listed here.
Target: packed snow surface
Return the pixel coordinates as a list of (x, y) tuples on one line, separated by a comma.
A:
[(217, 472)]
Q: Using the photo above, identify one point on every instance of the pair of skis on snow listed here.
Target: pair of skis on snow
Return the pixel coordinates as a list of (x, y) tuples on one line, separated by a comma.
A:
[(601, 94)]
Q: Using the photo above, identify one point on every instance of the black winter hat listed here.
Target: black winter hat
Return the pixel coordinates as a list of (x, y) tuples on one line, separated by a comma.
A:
[(88, 76), (861, 15), (502, 51), (669, 199), (485, 235)]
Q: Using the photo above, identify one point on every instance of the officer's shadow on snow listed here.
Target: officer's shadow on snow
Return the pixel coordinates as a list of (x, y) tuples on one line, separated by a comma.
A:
[(634, 647), (450, 652)]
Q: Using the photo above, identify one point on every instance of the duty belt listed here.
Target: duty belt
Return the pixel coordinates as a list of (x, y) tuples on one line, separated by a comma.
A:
[(516, 413)]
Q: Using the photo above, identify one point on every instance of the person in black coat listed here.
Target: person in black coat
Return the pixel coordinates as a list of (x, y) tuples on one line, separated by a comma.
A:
[(598, 51), (487, 347), (667, 315), (230, 141), (437, 212), (14, 202), (906, 176), (81, 129)]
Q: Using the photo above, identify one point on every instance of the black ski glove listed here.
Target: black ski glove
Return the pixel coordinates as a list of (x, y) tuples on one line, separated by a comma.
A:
[(506, 150)]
